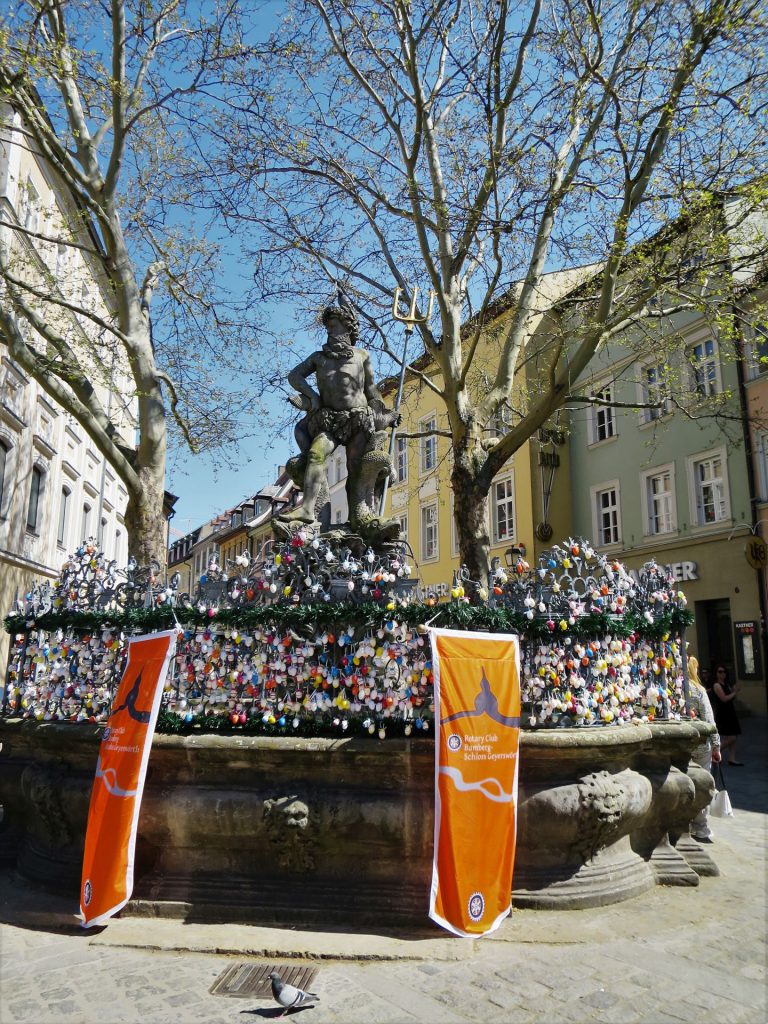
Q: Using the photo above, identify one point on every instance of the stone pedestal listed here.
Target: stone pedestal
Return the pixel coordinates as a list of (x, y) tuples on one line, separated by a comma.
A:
[(697, 857), (579, 802), (320, 831)]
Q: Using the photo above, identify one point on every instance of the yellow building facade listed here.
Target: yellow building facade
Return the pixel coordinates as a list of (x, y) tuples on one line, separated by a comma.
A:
[(529, 501)]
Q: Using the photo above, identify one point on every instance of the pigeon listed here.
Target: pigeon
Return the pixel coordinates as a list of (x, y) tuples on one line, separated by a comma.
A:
[(289, 996)]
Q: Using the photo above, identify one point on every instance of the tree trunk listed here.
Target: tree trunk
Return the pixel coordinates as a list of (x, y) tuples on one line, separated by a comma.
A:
[(145, 519), (471, 512)]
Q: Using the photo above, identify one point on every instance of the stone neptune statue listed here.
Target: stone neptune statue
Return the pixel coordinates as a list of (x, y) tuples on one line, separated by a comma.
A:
[(345, 408)]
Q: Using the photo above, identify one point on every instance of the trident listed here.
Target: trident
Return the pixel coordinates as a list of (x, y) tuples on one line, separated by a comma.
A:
[(410, 319)]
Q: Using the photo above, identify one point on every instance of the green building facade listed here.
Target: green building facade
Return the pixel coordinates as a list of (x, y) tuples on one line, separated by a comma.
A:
[(670, 481)]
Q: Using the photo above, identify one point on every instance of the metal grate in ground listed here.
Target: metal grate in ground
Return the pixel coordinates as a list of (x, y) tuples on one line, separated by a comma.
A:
[(251, 980)]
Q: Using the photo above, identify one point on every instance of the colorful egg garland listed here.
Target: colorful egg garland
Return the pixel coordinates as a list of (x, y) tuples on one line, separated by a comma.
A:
[(370, 672)]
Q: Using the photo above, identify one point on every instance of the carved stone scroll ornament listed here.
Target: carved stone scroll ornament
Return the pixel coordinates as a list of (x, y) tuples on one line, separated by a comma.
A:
[(677, 795), (574, 840)]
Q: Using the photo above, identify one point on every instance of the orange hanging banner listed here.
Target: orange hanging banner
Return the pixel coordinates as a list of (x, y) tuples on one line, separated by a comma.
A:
[(113, 815), (477, 715)]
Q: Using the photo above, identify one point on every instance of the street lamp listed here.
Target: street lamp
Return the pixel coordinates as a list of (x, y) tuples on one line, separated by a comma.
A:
[(513, 555)]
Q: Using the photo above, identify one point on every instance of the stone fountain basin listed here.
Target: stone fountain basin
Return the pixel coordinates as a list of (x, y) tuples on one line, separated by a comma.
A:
[(340, 831)]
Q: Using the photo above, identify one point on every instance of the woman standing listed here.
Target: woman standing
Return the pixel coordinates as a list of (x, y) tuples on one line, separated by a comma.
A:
[(725, 713)]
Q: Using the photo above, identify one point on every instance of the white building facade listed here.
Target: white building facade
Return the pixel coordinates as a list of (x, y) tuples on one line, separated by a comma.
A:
[(56, 490)]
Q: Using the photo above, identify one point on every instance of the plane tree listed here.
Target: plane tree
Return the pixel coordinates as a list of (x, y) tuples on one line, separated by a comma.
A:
[(116, 300), (484, 149)]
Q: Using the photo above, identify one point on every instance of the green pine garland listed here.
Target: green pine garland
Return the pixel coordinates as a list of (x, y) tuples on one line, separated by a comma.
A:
[(310, 619)]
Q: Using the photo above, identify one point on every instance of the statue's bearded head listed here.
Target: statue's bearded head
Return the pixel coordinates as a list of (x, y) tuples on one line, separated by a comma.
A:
[(339, 343), (343, 330)]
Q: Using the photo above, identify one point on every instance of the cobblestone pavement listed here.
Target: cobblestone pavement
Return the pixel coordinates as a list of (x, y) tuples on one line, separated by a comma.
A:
[(674, 954)]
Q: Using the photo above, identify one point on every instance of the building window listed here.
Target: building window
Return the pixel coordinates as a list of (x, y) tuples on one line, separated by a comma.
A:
[(607, 519), (428, 445), (429, 532), (338, 515), (761, 454), (30, 206), (35, 491), (602, 419), (654, 386), (335, 471), (4, 450), (85, 306), (102, 544), (401, 459), (757, 350), (503, 510), (118, 542), (63, 515), (660, 501), (709, 490), (62, 259), (403, 520), (86, 523), (703, 359)]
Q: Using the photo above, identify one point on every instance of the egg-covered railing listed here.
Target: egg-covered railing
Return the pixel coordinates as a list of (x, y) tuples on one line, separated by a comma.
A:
[(316, 637)]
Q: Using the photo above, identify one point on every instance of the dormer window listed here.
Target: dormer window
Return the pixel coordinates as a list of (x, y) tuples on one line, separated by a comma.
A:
[(29, 209)]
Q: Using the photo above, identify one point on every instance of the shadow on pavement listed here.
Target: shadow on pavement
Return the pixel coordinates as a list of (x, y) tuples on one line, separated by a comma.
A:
[(274, 1012), (748, 785), (25, 905)]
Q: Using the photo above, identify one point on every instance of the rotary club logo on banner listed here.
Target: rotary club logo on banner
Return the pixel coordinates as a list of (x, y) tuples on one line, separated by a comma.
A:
[(113, 814), (477, 710)]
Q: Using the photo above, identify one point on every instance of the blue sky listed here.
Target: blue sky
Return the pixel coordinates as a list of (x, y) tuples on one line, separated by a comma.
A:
[(205, 488), (209, 484)]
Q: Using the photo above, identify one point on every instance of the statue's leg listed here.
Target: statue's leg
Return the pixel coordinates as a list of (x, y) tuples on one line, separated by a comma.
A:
[(302, 434), (295, 467), (314, 479)]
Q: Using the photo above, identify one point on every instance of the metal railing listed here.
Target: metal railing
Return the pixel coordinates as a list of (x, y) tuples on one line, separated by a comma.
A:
[(332, 635)]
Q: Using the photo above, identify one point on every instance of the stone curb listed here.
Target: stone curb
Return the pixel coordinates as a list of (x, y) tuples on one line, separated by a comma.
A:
[(274, 943)]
